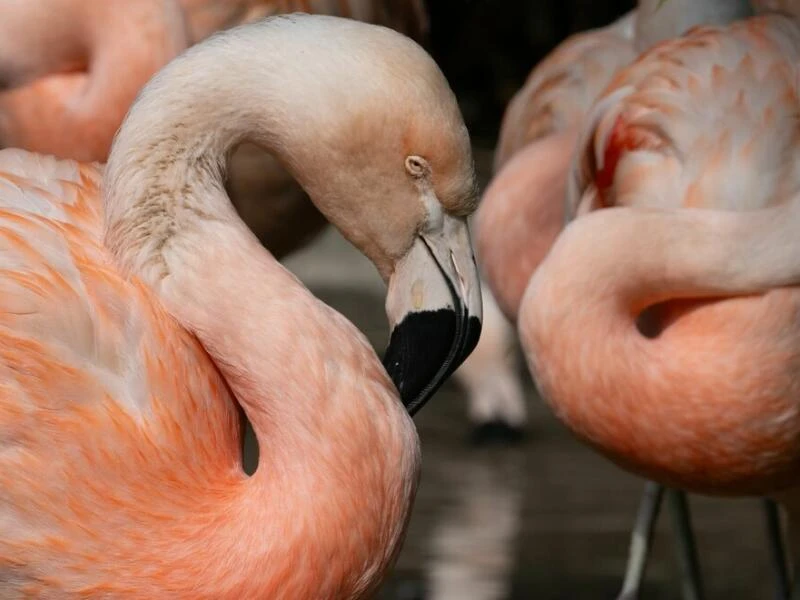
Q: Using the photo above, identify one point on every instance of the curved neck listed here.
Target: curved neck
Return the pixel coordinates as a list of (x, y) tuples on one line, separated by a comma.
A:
[(169, 222), (319, 402), (658, 20), (314, 390), (645, 256), (166, 171), (641, 400)]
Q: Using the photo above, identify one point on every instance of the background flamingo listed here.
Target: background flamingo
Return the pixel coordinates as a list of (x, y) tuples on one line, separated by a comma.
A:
[(150, 313), (704, 121), (547, 112), (62, 61), (61, 67)]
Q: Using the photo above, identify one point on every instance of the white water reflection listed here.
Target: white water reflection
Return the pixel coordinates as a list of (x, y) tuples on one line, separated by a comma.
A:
[(472, 546)]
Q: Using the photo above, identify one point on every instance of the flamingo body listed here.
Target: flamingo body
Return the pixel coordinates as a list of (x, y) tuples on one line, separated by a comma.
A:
[(92, 368), (703, 395)]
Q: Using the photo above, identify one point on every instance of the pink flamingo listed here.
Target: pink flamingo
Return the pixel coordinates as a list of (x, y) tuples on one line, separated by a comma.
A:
[(69, 69), (546, 111), (661, 331), (61, 66), (133, 324)]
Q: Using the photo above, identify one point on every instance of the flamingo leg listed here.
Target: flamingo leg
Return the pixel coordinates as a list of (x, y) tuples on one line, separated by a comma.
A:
[(691, 579), (778, 553), (641, 540)]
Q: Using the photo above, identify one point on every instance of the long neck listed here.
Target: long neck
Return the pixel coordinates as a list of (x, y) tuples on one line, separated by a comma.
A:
[(657, 405), (338, 453), (658, 20)]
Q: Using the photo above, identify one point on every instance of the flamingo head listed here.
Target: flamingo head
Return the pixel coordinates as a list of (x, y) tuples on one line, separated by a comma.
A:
[(387, 159)]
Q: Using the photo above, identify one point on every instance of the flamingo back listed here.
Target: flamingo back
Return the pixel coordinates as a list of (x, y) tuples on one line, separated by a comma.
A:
[(706, 120)]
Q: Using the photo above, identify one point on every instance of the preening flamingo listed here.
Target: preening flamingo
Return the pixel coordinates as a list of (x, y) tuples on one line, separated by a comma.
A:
[(540, 128), (136, 313), (662, 331), (80, 65)]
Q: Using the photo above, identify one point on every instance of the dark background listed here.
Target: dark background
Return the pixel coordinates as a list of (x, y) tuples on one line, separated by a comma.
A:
[(486, 48)]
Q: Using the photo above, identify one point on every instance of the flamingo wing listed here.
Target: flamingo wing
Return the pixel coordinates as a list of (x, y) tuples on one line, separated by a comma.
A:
[(709, 119), (105, 400)]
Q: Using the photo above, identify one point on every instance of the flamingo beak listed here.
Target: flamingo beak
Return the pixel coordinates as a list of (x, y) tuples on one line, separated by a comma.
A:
[(434, 310)]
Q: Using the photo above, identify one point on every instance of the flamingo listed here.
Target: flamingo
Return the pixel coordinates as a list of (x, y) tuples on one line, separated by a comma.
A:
[(47, 111), (545, 115), (69, 69), (138, 311), (61, 66), (660, 329)]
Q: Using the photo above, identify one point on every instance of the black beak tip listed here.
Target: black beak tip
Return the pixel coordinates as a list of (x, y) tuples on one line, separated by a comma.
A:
[(425, 348)]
